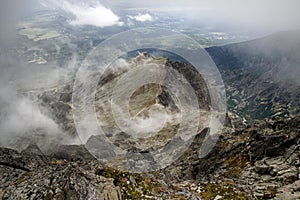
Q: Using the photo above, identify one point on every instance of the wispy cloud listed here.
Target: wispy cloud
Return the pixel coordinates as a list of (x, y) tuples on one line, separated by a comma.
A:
[(87, 14), (268, 15), (142, 17), (23, 119)]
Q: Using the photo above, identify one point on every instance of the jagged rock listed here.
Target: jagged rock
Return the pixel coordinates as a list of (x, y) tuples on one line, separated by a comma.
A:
[(240, 158), (290, 191), (56, 180), (100, 148), (263, 160), (78, 179), (72, 153), (262, 169), (32, 149)]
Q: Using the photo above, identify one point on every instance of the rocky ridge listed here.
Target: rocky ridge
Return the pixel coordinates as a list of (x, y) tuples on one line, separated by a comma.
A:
[(257, 161), (251, 162)]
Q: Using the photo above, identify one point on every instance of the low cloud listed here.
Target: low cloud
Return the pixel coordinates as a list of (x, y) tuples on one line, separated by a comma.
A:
[(268, 15), (87, 14), (142, 17), (22, 121)]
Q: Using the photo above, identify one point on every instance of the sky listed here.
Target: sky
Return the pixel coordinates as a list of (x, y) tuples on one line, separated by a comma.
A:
[(255, 15), (275, 15)]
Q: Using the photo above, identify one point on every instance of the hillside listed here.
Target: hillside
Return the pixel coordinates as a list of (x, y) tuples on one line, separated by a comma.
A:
[(262, 75)]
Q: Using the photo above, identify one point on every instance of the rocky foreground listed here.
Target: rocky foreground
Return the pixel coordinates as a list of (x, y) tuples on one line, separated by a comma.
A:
[(261, 161)]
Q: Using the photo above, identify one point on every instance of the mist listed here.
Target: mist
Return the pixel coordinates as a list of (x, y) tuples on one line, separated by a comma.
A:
[(11, 11), (280, 54), (22, 119), (263, 16)]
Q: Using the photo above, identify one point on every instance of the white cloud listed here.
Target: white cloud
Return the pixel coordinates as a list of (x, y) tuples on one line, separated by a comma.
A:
[(96, 14), (142, 17), (254, 15)]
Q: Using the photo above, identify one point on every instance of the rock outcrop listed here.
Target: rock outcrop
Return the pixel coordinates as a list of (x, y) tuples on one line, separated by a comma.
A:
[(263, 159)]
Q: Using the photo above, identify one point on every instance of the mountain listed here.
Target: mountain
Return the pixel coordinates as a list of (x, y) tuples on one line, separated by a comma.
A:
[(258, 160), (262, 75), (71, 172)]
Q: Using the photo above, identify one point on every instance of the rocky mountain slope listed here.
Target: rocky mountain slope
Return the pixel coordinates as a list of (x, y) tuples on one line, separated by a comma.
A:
[(253, 162), (261, 76), (257, 160), (72, 173)]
